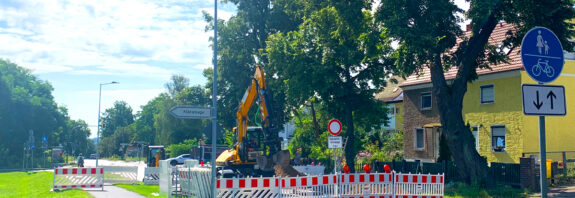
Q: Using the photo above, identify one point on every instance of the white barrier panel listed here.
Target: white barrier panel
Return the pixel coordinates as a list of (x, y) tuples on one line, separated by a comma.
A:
[(195, 181), (248, 187), (418, 185), (78, 178), (310, 170), (309, 186), (359, 184), (152, 176), (165, 183), (120, 174)]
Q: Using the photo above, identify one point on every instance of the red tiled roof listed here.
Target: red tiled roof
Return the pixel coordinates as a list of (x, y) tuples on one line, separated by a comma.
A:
[(497, 36)]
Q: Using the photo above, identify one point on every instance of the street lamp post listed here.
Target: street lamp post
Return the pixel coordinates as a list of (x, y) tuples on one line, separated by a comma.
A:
[(98, 130)]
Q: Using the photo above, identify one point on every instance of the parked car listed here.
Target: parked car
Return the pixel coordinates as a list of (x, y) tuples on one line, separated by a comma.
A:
[(180, 159), (92, 156)]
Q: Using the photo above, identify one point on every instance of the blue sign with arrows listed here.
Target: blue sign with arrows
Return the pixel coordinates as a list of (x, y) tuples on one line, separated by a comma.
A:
[(542, 55)]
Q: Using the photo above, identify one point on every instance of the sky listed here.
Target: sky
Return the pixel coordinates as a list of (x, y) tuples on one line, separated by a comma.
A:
[(76, 45)]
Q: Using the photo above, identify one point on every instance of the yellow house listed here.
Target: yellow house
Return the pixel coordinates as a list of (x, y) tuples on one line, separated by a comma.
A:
[(493, 109)]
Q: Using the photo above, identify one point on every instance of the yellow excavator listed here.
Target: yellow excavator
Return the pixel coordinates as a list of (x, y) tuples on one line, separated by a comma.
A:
[(257, 151)]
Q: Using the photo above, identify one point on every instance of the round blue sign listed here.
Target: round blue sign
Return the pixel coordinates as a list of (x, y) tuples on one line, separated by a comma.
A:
[(542, 55)]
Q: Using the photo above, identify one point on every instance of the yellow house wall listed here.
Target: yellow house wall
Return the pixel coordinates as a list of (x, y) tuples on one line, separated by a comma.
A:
[(560, 130), (505, 110), (399, 116)]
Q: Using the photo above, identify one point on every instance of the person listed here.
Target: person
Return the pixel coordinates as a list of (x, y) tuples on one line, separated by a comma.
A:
[(80, 160)]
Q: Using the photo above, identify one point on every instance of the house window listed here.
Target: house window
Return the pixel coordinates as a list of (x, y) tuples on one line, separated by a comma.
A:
[(419, 138), (487, 94), (392, 110), (425, 100), (475, 132), (498, 138), (396, 110)]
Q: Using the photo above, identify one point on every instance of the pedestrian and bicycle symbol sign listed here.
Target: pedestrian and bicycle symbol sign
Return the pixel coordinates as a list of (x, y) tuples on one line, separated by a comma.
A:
[(543, 100), (542, 55)]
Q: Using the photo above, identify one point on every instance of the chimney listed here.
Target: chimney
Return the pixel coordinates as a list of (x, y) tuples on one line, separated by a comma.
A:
[(468, 27)]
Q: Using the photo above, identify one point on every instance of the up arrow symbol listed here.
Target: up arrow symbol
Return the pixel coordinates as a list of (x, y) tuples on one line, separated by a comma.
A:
[(539, 104), (550, 95)]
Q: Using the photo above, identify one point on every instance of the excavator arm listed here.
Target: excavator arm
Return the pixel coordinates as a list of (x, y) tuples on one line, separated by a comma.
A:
[(258, 92)]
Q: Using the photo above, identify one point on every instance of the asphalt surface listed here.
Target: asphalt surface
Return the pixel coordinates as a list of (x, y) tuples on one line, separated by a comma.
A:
[(561, 191), (112, 192)]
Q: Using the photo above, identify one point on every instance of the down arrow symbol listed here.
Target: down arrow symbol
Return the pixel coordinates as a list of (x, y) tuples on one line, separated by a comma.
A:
[(538, 104)]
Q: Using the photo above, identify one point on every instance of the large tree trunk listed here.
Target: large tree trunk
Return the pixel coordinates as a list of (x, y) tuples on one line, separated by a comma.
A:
[(350, 143), (470, 165)]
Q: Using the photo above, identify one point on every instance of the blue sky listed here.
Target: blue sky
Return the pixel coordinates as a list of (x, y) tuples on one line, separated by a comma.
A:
[(76, 45)]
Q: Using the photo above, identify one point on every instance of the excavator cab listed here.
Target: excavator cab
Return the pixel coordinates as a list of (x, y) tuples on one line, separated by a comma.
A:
[(253, 144)]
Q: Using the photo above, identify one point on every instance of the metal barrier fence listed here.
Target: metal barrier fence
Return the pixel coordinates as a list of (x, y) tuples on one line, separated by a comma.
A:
[(120, 174), (65, 178), (195, 182), (152, 176)]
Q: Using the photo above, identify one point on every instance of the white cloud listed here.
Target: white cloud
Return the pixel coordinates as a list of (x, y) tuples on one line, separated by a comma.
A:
[(49, 36)]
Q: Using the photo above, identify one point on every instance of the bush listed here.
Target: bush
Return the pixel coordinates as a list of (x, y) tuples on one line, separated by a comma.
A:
[(182, 148)]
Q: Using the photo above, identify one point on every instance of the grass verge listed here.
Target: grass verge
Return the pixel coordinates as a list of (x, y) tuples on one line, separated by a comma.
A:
[(33, 184), (460, 190), (144, 190)]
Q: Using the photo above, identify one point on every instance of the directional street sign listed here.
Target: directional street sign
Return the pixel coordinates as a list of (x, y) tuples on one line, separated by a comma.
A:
[(334, 142), (543, 100), (191, 112), (542, 55)]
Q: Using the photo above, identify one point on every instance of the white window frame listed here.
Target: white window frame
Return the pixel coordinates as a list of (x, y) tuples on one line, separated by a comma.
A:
[(415, 138), (481, 94), (504, 138), (476, 136), (430, 100)]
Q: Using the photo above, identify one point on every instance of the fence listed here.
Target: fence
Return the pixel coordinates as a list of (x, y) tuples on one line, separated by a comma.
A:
[(445, 167), (195, 182), (506, 174), (65, 178), (152, 176), (120, 174)]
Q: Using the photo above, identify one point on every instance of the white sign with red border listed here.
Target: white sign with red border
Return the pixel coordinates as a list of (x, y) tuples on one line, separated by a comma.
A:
[(334, 127)]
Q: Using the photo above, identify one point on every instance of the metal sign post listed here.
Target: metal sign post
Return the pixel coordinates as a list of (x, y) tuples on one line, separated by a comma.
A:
[(543, 60)]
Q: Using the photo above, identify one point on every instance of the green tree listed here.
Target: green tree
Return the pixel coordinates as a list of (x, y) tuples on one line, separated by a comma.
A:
[(428, 30), (241, 45), (338, 54), (76, 136), (26, 104), (177, 84), (120, 115)]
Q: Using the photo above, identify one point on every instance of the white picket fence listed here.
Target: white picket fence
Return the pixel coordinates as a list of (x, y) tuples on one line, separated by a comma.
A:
[(195, 182)]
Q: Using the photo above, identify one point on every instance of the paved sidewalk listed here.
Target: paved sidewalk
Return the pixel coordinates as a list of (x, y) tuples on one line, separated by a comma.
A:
[(561, 191), (111, 191)]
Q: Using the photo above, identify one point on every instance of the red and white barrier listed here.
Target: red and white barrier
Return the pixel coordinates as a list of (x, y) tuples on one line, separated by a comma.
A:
[(376, 185), (418, 185), (65, 178), (366, 185)]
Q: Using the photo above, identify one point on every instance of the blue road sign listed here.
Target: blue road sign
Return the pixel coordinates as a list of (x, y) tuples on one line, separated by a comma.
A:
[(542, 55)]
